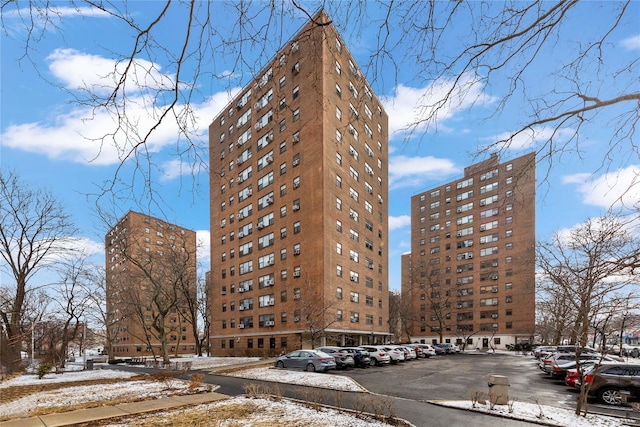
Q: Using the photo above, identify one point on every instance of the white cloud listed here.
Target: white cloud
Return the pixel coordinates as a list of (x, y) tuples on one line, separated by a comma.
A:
[(86, 135), (631, 43), (415, 109), (407, 171), (528, 138), (100, 75), (399, 221), (619, 188)]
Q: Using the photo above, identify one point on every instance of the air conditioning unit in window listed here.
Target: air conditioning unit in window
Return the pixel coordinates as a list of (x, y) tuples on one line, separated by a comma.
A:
[(269, 323), (296, 251), (494, 315), (240, 290), (296, 184), (271, 302), (495, 291), (259, 125), (270, 137), (296, 162), (240, 215), (241, 326), (240, 235), (260, 226), (296, 207), (296, 319), (352, 131), (296, 274), (459, 210)]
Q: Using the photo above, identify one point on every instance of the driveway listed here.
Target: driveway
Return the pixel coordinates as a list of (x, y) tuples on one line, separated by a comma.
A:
[(456, 377)]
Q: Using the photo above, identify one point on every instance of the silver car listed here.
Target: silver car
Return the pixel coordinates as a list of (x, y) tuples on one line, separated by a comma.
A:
[(309, 360)]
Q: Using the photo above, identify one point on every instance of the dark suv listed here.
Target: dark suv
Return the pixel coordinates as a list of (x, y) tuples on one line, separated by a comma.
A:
[(613, 384)]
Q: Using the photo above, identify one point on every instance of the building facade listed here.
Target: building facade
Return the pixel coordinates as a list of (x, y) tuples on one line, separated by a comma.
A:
[(150, 274), (471, 273), (299, 212)]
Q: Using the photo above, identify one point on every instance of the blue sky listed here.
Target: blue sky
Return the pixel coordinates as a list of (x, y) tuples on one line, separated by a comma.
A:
[(52, 142)]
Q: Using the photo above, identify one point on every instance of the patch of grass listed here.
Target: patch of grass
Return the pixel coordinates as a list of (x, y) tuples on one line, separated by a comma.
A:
[(231, 415)]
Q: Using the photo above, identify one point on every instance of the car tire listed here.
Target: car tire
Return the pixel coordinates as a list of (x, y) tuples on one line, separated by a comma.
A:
[(280, 364), (373, 362), (310, 367), (609, 396)]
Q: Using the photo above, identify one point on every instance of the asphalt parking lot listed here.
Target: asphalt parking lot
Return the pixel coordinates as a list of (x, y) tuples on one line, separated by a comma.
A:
[(456, 377)]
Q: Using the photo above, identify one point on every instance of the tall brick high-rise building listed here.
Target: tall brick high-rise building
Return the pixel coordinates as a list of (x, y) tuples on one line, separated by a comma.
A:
[(471, 273), (299, 212), (150, 271)]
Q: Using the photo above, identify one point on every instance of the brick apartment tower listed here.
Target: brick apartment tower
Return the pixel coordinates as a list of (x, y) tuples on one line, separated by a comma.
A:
[(299, 204), (470, 276), (145, 256)]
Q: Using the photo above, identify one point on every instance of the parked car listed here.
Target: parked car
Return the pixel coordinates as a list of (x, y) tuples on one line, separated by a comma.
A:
[(423, 350), (614, 383), (544, 349), (415, 348), (396, 354), (409, 353), (572, 378), (343, 360), (379, 356), (309, 360), (439, 349), (428, 350), (557, 365), (448, 348), (361, 357)]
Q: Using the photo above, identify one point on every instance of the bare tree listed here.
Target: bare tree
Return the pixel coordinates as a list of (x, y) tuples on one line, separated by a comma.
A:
[(493, 54), (591, 263), (194, 309), (315, 316), (72, 300), (159, 295), (33, 229), (104, 326)]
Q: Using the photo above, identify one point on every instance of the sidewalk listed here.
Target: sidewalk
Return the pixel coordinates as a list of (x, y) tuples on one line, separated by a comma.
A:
[(106, 412)]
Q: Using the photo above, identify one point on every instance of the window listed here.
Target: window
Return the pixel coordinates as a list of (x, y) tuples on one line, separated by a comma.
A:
[(296, 92), (338, 68), (296, 115), (355, 317), (354, 297), (339, 293), (338, 114), (283, 81)]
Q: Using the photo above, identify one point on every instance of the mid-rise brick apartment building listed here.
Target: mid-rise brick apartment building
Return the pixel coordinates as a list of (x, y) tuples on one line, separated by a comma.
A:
[(150, 266), (299, 212), (470, 275)]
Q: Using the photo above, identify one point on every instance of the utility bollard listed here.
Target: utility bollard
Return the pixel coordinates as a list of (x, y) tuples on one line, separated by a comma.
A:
[(498, 389)]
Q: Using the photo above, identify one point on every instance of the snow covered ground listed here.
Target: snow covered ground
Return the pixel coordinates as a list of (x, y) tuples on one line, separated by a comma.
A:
[(153, 389)]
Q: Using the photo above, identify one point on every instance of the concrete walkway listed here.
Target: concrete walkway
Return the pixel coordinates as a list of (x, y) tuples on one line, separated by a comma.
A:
[(106, 412)]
